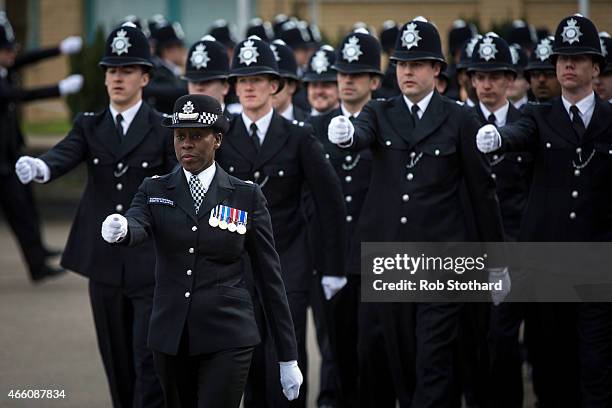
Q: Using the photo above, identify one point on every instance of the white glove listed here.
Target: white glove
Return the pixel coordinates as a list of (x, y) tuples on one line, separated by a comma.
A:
[(332, 284), (291, 379), (29, 168), (71, 45), (71, 84), (496, 275), (114, 228), (488, 139), (340, 131)]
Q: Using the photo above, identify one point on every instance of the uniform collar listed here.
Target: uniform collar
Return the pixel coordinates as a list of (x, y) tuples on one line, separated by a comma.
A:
[(262, 124), (422, 104), (348, 114), (519, 104), (501, 115), (128, 115), (586, 106), (205, 175), (470, 103), (288, 113)]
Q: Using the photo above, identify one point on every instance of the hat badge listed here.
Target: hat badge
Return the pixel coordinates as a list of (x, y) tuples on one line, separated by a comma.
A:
[(571, 32), (544, 49), (121, 43), (199, 57), (487, 49), (469, 48), (188, 113), (275, 51), (352, 50), (514, 54), (604, 49), (319, 62), (248, 53), (410, 36)]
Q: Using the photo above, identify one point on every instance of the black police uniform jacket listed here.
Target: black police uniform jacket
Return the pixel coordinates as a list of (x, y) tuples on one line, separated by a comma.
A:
[(354, 171), (512, 172), (200, 270), (571, 192), (417, 174), (115, 170), (11, 139), (290, 158)]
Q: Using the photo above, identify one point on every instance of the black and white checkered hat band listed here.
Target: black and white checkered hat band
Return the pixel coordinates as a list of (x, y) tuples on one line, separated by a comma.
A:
[(205, 118)]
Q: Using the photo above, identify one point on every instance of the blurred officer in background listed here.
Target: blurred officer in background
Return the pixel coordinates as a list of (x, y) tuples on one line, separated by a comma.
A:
[(120, 146), (540, 72), (518, 91), (603, 83), (16, 199), (320, 81), (287, 68)]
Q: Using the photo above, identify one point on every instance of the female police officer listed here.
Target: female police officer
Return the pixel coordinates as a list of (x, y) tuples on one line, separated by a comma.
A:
[(204, 224)]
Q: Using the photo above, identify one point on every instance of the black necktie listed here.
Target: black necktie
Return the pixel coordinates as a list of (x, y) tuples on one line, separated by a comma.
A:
[(254, 137), (491, 119), (119, 127), (577, 122), (415, 114)]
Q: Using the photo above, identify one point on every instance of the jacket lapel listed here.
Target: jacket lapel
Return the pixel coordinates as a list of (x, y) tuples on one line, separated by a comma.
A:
[(219, 189), (400, 120), (275, 139), (600, 121), (559, 120), (434, 116), (107, 133), (138, 130), (513, 114), (179, 191), (239, 138)]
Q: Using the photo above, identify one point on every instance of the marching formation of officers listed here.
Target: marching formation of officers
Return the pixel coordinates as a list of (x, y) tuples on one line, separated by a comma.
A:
[(290, 154)]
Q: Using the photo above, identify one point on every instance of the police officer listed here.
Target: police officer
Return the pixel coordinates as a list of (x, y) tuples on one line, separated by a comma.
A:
[(207, 69), (282, 157), (423, 152), (388, 35), (358, 67), (120, 146), (260, 28), (523, 34), (166, 84), (16, 199), (458, 36), (320, 81), (518, 92), (540, 72), (205, 222), (570, 139), (466, 92), (282, 101), (603, 83)]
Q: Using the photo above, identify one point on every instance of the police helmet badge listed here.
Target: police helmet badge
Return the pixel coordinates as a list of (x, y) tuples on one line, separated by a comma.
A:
[(121, 43), (8, 29), (188, 112), (544, 49), (487, 49), (571, 32), (514, 54), (604, 49), (319, 62), (469, 48), (199, 58), (410, 36), (352, 50), (248, 53), (275, 51)]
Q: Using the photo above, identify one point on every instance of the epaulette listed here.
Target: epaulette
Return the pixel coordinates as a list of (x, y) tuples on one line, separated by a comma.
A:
[(165, 115), (300, 124), (460, 103), (380, 99), (248, 181), (89, 113), (155, 176)]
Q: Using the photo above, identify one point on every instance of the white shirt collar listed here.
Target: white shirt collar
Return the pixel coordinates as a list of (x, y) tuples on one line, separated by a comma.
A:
[(128, 115), (262, 124), (205, 175), (288, 113), (519, 104), (422, 104), (346, 113), (585, 106), (501, 115), (470, 103)]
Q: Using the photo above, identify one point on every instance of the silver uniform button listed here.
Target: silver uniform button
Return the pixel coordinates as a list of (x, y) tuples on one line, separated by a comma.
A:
[(191, 250), (119, 186), (145, 165), (437, 152), (281, 173), (348, 158), (348, 198), (403, 220), (231, 169), (187, 294), (574, 194), (412, 155), (188, 272), (119, 166), (194, 228), (119, 207), (519, 159), (349, 218), (96, 160), (578, 150), (348, 179), (387, 143), (493, 176), (548, 145), (410, 176), (572, 215), (576, 172), (610, 151), (326, 155), (256, 174), (495, 157), (405, 197)]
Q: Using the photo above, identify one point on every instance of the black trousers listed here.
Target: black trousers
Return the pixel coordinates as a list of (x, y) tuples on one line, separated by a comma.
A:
[(121, 316), (17, 202), (595, 339), (214, 380)]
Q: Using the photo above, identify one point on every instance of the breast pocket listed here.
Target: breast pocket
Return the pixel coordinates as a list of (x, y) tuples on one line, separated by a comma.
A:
[(602, 167), (437, 163), (557, 158)]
